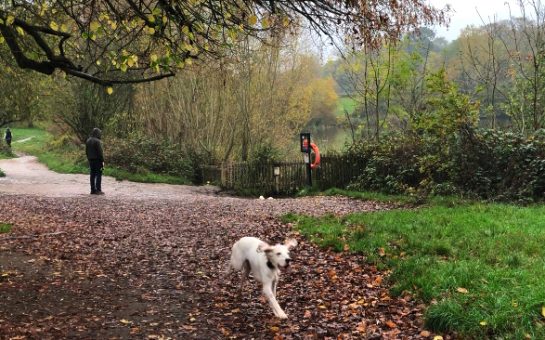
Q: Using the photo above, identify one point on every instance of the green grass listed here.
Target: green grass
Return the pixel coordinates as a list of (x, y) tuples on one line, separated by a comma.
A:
[(372, 196), (495, 251), (5, 155), (5, 228), (147, 177), (346, 103), (29, 140)]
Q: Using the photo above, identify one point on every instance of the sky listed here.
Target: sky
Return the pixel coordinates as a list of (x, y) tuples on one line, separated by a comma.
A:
[(464, 13)]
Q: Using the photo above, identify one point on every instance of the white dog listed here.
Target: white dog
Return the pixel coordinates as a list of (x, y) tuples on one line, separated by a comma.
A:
[(250, 254)]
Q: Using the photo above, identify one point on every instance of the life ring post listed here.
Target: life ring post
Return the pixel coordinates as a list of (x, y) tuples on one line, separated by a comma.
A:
[(307, 147)]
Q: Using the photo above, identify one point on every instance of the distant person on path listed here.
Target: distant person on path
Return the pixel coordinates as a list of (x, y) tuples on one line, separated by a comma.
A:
[(95, 156), (8, 137)]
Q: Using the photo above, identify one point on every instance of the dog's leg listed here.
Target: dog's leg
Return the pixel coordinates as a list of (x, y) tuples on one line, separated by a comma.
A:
[(274, 287), (245, 273), (227, 270), (269, 294)]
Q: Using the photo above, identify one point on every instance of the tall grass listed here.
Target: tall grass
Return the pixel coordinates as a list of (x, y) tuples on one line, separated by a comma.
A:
[(478, 266)]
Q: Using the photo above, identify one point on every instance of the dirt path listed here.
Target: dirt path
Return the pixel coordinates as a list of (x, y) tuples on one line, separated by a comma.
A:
[(146, 262), (25, 175), (23, 140)]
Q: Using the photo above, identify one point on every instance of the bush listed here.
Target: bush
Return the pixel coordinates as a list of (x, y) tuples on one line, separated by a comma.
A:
[(5, 151), (389, 166), (139, 154), (504, 165), (487, 164)]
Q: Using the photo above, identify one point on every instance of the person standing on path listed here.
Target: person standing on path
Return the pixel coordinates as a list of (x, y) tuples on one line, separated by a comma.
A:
[(8, 137), (95, 156)]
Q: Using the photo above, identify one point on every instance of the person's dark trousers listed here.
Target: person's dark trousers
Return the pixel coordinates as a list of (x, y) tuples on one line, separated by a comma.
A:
[(8, 141), (96, 175)]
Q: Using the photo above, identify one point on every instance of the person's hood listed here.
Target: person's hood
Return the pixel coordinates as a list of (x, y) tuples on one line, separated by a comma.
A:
[(96, 133)]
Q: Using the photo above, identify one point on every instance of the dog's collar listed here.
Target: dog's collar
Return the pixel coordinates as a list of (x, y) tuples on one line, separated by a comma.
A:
[(270, 265)]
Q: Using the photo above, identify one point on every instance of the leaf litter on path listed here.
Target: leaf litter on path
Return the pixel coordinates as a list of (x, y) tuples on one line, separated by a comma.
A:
[(122, 268)]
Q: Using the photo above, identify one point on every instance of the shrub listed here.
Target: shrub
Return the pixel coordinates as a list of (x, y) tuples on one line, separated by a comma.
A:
[(389, 166), (139, 154), (481, 163), (5, 151)]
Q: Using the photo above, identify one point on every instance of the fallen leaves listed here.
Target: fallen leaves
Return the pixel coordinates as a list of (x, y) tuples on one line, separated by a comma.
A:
[(153, 269), (361, 327), (462, 290), (425, 334), (391, 324)]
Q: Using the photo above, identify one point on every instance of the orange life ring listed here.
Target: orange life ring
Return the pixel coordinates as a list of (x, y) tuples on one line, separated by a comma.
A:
[(316, 162)]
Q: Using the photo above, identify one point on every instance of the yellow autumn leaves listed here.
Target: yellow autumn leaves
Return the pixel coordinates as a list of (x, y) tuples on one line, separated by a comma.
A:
[(10, 19), (266, 21)]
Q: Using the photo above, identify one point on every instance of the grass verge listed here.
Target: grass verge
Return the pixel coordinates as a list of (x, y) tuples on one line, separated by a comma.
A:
[(372, 196), (478, 266)]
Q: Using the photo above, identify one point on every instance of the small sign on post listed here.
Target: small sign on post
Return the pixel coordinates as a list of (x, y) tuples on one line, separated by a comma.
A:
[(305, 148), (305, 142), (276, 172)]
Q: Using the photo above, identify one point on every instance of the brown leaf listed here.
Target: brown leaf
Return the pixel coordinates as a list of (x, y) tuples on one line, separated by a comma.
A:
[(377, 281), (391, 324), (425, 334), (362, 326)]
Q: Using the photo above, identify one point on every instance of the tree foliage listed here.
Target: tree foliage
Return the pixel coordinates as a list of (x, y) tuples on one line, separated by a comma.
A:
[(233, 107), (110, 42), (90, 106), (20, 99), (323, 101)]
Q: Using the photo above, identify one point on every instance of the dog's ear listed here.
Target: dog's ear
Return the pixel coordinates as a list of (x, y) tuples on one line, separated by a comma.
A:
[(264, 247), (290, 243)]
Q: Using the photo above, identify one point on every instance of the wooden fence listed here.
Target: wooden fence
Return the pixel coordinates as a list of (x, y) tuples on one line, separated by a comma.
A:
[(334, 171)]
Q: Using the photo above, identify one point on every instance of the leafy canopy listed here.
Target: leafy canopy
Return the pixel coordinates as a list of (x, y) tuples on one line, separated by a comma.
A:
[(124, 41)]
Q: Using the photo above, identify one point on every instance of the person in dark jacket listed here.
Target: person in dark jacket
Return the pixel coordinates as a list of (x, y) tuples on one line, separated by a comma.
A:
[(95, 156), (8, 137)]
